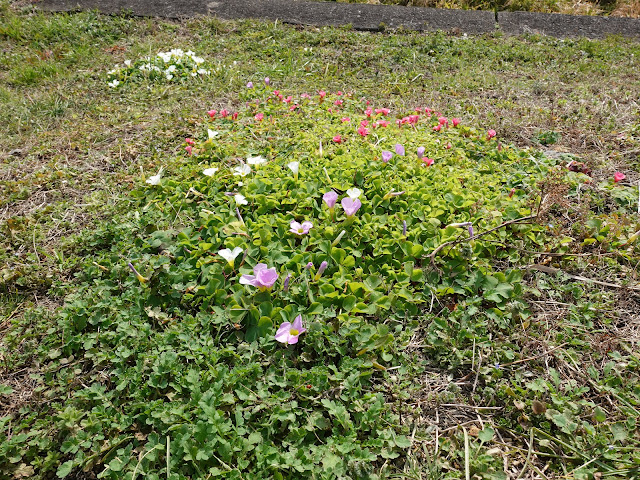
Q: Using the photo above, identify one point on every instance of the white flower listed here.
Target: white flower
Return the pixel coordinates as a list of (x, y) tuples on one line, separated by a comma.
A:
[(209, 171), (114, 83), (295, 167), (242, 170), (203, 71), (171, 69), (155, 180), (169, 76), (259, 160), (354, 193), (111, 72), (198, 60), (229, 255), (127, 63), (212, 134), (240, 199)]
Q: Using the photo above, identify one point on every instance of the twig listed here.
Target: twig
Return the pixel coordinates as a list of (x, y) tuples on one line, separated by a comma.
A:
[(534, 357), (545, 269), (460, 239)]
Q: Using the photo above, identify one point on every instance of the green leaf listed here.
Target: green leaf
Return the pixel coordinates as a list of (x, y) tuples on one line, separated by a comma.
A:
[(486, 435), (65, 469)]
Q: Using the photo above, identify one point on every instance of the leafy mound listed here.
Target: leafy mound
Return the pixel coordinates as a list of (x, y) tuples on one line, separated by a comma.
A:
[(175, 369)]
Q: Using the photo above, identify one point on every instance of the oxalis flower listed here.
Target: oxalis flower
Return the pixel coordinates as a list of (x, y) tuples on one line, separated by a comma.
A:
[(399, 150), (618, 177), (209, 172), (351, 206), (392, 194), (295, 168), (259, 160), (288, 333), (354, 193), (300, 228), (263, 277), (155, 179), (321, 269), (243, 170), (230, 255), (386, 156), (330, 198)]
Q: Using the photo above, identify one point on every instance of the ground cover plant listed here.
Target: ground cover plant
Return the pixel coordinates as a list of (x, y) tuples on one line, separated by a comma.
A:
[(413, 345)]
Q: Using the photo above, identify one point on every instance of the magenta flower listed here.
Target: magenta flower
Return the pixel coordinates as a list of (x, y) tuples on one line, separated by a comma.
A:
[(437, 128), (421, 152), (308, 266), (428, 161), (618, 176), (490, 134), (337, 139), (323, 267), (455, 121), (249, 84), (443, 120), (189, 149), (263, 278), (386, 156), (288, 333), (363, 131), (382, 123), (383, 111), (285, 287), (399, 150), (300, 228), (351, 205), (212, 113), (259, 117), (330, 198), (267, 81)]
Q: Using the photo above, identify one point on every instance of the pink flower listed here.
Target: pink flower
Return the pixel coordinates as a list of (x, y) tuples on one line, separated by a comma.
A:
[(189, 141), (413, 119), (338, 93), (249, 84), (399, 150), (288, 333), (455, 121), (345, 119), (382, 123), (386, 156), (363, 131), (428, 161), (511, 192), (443, 121), (235, 115), (428, 111), (212, 113), (351, 205), (618, 176), (293, 107), (267, 81), (421, 152), (448, 146), (189, 149), (364, 123), (337, 139), (437, 128), (263, 278), (288, 99), (383, 111), (322, 94), (224, 112), (330, 198), (259, 117), (490, 134), (338, 103), (300, 228), (368, 112)]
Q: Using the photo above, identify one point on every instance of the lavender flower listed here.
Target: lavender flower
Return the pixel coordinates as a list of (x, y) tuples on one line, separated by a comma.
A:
[(288, 333), (330, 198), (421, 152), (263, 278), (351, 206), (386, 156), (300, 228), (399, 150)]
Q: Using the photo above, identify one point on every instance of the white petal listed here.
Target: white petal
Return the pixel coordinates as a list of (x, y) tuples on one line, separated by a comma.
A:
[(259, 160), (209, 172), (240, 199), (354, 193), (294, 166), (212, 134)]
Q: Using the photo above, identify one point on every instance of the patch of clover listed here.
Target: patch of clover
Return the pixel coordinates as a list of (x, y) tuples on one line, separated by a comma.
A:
[(172, 66)]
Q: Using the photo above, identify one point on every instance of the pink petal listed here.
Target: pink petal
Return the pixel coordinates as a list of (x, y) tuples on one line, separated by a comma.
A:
[(248, 280)]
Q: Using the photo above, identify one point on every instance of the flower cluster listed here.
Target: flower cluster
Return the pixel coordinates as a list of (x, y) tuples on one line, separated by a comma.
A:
[(173, 65)]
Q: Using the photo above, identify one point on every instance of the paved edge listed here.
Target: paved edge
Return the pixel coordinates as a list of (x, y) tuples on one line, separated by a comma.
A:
[(364, 16)]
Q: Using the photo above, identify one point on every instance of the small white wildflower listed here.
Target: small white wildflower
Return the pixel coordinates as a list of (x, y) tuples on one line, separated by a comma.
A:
[(294, 167), (155, 180), (202, 71), (198, 60), (240, 199), (169, 76), (242, 170), (114, 83), (127, 63), (171, 69), (212, 134), (230, 255), (209, 172), (259, 160), (354, 193)]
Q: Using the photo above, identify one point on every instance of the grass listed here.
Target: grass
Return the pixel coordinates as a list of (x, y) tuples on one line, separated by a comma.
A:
[(73, 150), (617, 8)]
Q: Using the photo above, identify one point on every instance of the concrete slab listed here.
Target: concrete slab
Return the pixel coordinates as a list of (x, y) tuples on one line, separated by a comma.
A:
[(517, 23), (363, 16)]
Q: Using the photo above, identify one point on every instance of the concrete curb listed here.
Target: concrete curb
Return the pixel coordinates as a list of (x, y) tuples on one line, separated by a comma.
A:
[(364, 16)]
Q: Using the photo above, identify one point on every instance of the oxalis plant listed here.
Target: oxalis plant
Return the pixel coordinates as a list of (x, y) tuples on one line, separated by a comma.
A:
[(251, 318)]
